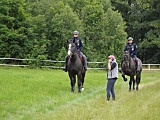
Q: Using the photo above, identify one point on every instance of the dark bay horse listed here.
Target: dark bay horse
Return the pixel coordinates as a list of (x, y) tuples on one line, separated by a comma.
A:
[(128, 67), (75, 68)]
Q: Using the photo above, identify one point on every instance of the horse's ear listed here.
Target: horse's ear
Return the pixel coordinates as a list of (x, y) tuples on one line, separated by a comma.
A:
[(126, 51), (66, 45)]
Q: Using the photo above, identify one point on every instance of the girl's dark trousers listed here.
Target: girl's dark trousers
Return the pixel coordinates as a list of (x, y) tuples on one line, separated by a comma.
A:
[(110, 88)]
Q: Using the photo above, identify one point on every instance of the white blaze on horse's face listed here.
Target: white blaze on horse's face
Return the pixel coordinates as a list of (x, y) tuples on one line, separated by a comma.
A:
[(69, 49)]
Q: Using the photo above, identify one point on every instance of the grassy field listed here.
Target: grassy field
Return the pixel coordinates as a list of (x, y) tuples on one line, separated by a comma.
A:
[(44, 94)]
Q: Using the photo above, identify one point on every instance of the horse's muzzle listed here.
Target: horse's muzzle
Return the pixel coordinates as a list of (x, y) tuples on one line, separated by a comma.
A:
[(69, 52)]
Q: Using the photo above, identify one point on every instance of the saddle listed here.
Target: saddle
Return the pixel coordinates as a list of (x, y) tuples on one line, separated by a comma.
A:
[(81, 58), (136, 64), (135, 61)]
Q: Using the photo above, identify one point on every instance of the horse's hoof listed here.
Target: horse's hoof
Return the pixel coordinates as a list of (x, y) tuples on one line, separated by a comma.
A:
[(125, 79), (72, 89), (82, 89), (120, 70), (79, 91), (136, 88)]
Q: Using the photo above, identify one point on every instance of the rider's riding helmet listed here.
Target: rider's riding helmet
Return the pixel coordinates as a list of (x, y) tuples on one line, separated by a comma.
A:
[(111, 57), (75, 32), (130, 38)]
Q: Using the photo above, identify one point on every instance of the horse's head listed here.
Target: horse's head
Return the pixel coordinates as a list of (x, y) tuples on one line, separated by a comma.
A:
[(72, 49), (126, 59), (126, 56)]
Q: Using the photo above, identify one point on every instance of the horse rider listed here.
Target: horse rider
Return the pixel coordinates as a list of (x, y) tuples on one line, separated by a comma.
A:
[(132, 48), (79, 46)]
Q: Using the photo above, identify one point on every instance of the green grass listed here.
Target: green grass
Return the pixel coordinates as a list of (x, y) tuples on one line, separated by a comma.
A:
[(44, 94)]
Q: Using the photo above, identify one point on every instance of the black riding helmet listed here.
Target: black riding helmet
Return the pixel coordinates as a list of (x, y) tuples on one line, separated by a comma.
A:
[(130, 38), (75, 32)]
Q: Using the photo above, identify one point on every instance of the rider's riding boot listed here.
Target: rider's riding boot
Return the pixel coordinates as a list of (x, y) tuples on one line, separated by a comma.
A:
[(124, 78), (85, 62), (85, 65), (138, 67)]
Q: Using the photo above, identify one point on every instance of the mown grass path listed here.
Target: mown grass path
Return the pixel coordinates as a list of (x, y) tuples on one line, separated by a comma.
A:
[(44, 94)]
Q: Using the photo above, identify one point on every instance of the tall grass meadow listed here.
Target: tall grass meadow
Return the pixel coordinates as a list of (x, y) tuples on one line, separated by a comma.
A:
[(44, 94)]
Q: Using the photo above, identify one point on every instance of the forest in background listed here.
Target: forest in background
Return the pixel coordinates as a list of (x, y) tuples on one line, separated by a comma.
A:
[(40, 29)]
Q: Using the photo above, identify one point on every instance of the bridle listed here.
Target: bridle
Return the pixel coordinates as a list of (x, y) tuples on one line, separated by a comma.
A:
[(126, 59), (71, 49)]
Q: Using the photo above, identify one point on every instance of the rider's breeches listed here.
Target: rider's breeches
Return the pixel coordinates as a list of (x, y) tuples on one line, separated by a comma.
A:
[(85, 59), (136, 59), (134, 56)]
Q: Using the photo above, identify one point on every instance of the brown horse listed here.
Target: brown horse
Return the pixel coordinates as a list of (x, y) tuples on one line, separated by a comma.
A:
[(129, 68), (75, 68)]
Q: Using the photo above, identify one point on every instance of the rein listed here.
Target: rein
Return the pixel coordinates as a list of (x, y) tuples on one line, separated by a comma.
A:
[(128, 61), (71, 51)]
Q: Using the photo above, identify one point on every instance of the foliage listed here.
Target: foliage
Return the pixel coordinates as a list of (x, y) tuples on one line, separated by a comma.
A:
[(21, 35), (143, 23), (33, 28)]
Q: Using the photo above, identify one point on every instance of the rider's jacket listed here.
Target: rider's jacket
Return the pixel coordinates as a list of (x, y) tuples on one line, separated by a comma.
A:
[(132, 48), (78, 43)]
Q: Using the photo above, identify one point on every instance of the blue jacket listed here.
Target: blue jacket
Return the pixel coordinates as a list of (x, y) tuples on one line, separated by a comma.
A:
[(78, 43), (132, 48)]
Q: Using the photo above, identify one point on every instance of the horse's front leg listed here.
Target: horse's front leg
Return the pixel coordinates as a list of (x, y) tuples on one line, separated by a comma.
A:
[(123, 75), (133, 83), (79, 82), (72, 79), (130, 83), (124, 78), (138, 78), (82, 88)]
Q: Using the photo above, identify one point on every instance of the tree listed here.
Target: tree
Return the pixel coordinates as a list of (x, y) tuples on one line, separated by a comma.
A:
[(12, 30), (40, 29), (62, 22), (104, 31), (151, 43), (22, 36), (142, 18)]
